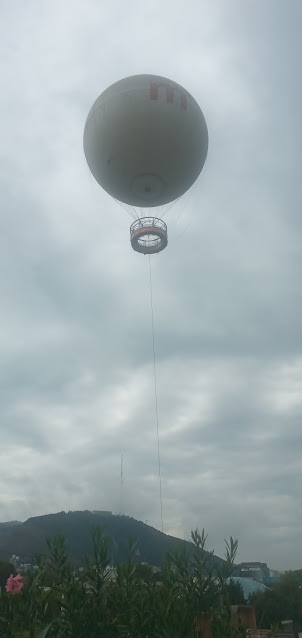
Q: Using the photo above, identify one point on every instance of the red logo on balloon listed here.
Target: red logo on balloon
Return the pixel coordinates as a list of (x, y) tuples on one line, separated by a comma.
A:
[(170, 91)]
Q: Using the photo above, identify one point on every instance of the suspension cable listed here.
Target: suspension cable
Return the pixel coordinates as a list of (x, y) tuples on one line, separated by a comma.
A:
[(129, 210), (156, 400)]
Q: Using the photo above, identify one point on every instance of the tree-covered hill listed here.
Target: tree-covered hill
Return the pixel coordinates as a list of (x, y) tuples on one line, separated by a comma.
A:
[(29, 538)]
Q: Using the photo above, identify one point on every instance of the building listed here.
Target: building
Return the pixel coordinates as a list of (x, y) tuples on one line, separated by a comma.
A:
[(274, 577), (256, 571), (14, 560)]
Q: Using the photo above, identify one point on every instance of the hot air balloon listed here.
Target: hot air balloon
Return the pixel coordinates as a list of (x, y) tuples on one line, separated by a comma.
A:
[(146, 142)]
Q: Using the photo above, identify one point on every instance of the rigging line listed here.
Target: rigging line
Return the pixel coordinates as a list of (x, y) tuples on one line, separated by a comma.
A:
[(188, 199), (184, 231), (132, 213), (171, 205), (156, 400), (135, 212)]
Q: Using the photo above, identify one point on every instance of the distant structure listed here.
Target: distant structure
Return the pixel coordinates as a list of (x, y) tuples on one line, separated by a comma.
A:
[(257, 571), (14, 560), (274, 577)]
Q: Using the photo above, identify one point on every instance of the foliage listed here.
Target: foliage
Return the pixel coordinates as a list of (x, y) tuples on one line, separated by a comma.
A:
[(235, 593), (180, 601), (283, 600)]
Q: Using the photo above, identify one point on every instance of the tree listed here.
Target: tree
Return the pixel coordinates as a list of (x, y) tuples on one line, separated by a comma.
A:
[(235, 593), (282, 601)]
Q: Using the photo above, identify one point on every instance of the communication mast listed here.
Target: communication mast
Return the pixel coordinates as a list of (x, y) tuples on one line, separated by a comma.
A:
[(121, 487)]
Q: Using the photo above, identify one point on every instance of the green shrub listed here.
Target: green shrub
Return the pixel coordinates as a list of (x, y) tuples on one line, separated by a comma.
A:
[(179, 601)]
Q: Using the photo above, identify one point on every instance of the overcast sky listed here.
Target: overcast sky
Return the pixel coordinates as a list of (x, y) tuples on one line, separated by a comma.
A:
[(75, 332)]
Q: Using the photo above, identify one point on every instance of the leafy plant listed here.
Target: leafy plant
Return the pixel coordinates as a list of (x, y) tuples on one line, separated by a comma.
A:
[(187, 598)]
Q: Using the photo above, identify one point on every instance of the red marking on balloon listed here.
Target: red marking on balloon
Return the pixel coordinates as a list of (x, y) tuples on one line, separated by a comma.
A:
[(170, 92)]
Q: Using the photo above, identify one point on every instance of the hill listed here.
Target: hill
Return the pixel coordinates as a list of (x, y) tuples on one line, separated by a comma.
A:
[(10, 524), (29, 538)]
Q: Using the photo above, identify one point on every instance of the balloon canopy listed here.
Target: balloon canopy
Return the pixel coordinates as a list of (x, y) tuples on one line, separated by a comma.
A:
[(145, 140)]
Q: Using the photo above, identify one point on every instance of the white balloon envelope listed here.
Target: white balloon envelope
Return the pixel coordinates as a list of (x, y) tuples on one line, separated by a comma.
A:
[(145, 140)]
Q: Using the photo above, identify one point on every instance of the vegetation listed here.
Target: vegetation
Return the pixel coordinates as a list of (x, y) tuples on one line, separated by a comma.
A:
[(282, 601), (180, 601)]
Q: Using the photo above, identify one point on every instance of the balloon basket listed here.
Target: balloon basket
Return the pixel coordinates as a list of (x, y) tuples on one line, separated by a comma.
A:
[(148, 235)]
